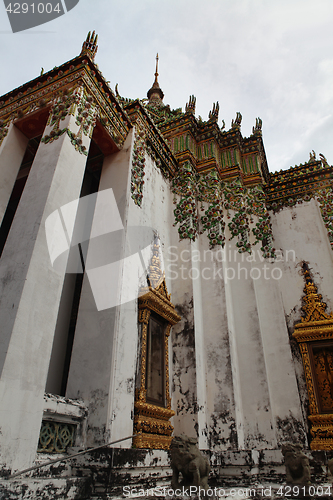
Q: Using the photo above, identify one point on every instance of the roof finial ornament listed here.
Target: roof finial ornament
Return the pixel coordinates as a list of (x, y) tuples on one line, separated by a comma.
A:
[(190, 105), (155, 94), (257, 129), (156, 72), (237, 122), (214, 114), (90, 46)]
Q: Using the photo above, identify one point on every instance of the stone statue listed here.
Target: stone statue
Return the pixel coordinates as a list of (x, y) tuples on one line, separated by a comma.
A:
[(297, 464), (188, 460)]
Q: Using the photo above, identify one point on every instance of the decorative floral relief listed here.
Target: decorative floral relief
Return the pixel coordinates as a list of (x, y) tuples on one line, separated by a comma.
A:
[(325, 199), (263, 230), (138, 168), (236, 200), (263, 234), (184, 184), (239, 226), (85, 118), (209, 187), (62, 108), (222, 197), (68, 104), (213, 222)]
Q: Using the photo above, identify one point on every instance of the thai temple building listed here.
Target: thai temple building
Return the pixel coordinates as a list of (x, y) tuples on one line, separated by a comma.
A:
[(156, 279)]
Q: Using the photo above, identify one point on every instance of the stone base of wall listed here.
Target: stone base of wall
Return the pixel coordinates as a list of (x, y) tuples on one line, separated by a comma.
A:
[(129, 473)]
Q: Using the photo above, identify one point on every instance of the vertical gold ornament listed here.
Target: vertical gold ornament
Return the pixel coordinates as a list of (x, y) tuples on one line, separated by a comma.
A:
[(151, 421), (315, 337)]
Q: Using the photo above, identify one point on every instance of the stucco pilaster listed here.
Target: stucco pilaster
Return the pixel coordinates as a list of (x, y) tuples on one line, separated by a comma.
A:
[(251, 391), (285, 405), (104, 352)]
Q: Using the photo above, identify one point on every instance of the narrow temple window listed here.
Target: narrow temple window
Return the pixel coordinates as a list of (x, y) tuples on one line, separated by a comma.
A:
[(155, 373)]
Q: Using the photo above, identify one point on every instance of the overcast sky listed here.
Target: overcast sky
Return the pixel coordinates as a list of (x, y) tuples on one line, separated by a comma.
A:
[(266, 58)]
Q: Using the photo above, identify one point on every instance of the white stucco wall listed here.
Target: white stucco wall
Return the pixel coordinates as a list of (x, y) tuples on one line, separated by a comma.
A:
[(231, 355)]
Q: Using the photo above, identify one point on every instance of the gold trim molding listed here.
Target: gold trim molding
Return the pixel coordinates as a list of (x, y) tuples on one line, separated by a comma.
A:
[(151, 422), (321, 432), (315, 333), (152, 441)]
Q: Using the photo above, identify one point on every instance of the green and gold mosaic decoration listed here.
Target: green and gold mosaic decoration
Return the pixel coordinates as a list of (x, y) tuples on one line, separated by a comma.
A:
[(138, 168), (226, 200), (56, 437)]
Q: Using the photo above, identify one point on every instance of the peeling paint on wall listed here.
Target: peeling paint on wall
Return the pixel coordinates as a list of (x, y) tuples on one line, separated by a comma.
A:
[(183, 370)]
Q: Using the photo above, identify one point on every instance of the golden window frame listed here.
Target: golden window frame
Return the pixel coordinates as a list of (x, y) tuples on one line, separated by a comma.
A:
[(152, 427)]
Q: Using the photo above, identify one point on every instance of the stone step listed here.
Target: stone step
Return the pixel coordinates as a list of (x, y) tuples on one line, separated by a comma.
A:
[(48, 488)]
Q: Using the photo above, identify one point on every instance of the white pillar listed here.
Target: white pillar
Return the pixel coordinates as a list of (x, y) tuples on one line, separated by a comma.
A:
[(286, 410), (252, 401), (30, 291), (216, 407), (102, 369), (12, 151)]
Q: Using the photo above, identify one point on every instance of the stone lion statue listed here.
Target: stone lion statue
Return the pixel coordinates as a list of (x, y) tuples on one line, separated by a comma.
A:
[(297, 464), (187, 460)]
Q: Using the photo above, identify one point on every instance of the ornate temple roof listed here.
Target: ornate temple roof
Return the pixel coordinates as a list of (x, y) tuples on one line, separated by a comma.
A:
[(174, 135)]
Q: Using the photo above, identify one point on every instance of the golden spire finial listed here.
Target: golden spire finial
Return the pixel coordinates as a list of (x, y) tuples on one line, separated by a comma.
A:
[(156, 72), (155, 94)]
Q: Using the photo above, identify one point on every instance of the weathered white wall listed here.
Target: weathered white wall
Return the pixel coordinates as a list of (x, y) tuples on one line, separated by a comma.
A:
[(220, 427), (300, 235), (231, 355)]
